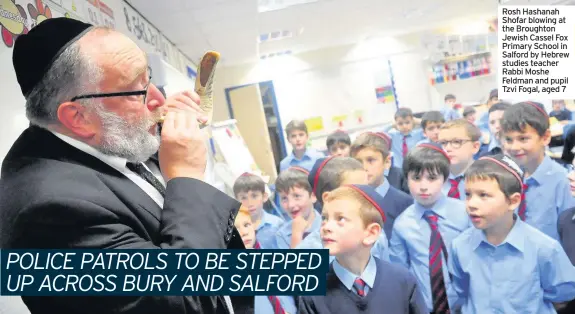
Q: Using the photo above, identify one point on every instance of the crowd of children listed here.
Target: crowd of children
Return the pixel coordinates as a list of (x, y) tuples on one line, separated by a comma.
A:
[(462, 215)]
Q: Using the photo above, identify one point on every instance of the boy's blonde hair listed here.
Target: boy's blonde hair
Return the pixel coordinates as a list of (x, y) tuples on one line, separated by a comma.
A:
[(243, 211), (472, 131), (367, 212), (376, 141)]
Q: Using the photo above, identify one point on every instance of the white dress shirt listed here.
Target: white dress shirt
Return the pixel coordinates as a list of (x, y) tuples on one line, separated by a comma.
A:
[(119, 164)]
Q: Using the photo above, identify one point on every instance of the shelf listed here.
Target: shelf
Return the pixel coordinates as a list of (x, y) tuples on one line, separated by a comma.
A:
[(462, 57)]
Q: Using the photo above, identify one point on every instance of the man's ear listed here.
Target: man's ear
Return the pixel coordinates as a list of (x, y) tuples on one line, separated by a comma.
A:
[(77, 119), (387, 162)]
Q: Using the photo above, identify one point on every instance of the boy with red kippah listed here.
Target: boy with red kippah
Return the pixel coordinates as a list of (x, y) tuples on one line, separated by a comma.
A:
[(357, 281)]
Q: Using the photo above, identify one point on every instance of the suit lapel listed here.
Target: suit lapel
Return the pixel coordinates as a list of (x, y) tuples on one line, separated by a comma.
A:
[(36, 142)]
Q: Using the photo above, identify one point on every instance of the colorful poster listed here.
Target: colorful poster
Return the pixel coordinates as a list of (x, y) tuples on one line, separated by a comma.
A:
[(314, 124), (384, 94)]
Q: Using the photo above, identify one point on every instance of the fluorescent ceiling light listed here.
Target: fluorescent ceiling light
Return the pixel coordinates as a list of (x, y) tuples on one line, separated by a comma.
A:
[(273, 5), (276, 35)]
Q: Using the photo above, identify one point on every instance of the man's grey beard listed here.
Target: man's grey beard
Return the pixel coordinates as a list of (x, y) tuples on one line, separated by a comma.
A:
[(122, 139)]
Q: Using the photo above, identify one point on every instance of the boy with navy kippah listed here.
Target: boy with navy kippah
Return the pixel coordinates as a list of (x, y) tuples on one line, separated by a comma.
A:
[(372, 149), (526, 135), (504, 265), (358, 282), (327, 175), (423, 231)]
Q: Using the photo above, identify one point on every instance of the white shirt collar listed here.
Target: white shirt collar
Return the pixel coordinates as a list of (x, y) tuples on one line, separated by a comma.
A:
[(114, 161)]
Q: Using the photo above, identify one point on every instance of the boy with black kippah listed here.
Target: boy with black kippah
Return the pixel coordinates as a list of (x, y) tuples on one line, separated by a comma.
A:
[(358, 282)]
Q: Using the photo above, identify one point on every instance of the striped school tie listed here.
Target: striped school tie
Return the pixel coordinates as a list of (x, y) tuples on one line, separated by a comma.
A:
[(274, 301), (454, 190), (438, 289), (404, 146), (359, 286), (523, 205)]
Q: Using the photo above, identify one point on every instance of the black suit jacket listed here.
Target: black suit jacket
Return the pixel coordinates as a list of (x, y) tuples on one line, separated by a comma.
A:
[(397, 180), (53, 195)]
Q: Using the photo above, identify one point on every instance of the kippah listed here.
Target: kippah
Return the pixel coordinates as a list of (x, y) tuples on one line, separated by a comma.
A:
[(493, 93), (508, 164), (313, 177), (371, 195), (300, 169), (434, 147), (35, 52), (383, 136), (537, 106)]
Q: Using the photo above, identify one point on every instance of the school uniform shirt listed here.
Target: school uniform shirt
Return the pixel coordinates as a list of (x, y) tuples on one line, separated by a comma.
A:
[(548, 195), (411, 140), (493, 148), (390, 289), (307, 160), (450, 114), (461, 187), (264, 306), (395, 202), (483, 122), (395, 177), (267, 230), (409, 243), (283, 236), (524, 274)]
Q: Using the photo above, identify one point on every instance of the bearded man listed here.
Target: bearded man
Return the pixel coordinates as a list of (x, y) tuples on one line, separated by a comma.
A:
[(77, 177)]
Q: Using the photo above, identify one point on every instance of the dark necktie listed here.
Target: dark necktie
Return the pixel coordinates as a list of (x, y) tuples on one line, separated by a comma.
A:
[(454, 190), (359, 286), (404, 146), (139, 169), (523, 205), (436, 245), (275, 302)]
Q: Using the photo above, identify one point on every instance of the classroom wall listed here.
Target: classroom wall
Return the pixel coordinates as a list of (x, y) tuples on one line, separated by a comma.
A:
[(337, 81), (114, 13)]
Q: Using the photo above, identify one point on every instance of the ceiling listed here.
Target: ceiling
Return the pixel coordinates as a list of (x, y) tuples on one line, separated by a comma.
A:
[(232, 27)]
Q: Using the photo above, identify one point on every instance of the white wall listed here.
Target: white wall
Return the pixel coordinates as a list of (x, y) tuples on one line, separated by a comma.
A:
[(336, 81), (12, 117)]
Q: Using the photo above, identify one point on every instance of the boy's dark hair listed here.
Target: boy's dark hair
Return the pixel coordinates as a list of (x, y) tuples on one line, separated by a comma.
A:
[(331, 174), (379, 142), (473, 132), (337, 137), (468, 111), (449, 97), (249, 182), (423, 157), (290, 178), (524, 114), (499, 106), (483, 169), (403, 113), (296, 125), (493, 94), (432, 117)]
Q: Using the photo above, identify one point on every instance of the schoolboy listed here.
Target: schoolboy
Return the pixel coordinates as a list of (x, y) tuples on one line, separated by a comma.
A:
[(263, 304), (338, 144), (372, 150), (559, 111), (449, 111), (495, 115), (526, 135), (249, 189), (431, 121), (504, 265), (297, 199), (424, 230), (469, 114), (327, 175), (460, 140), (358, 282), (301, 155), (405, 137)]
